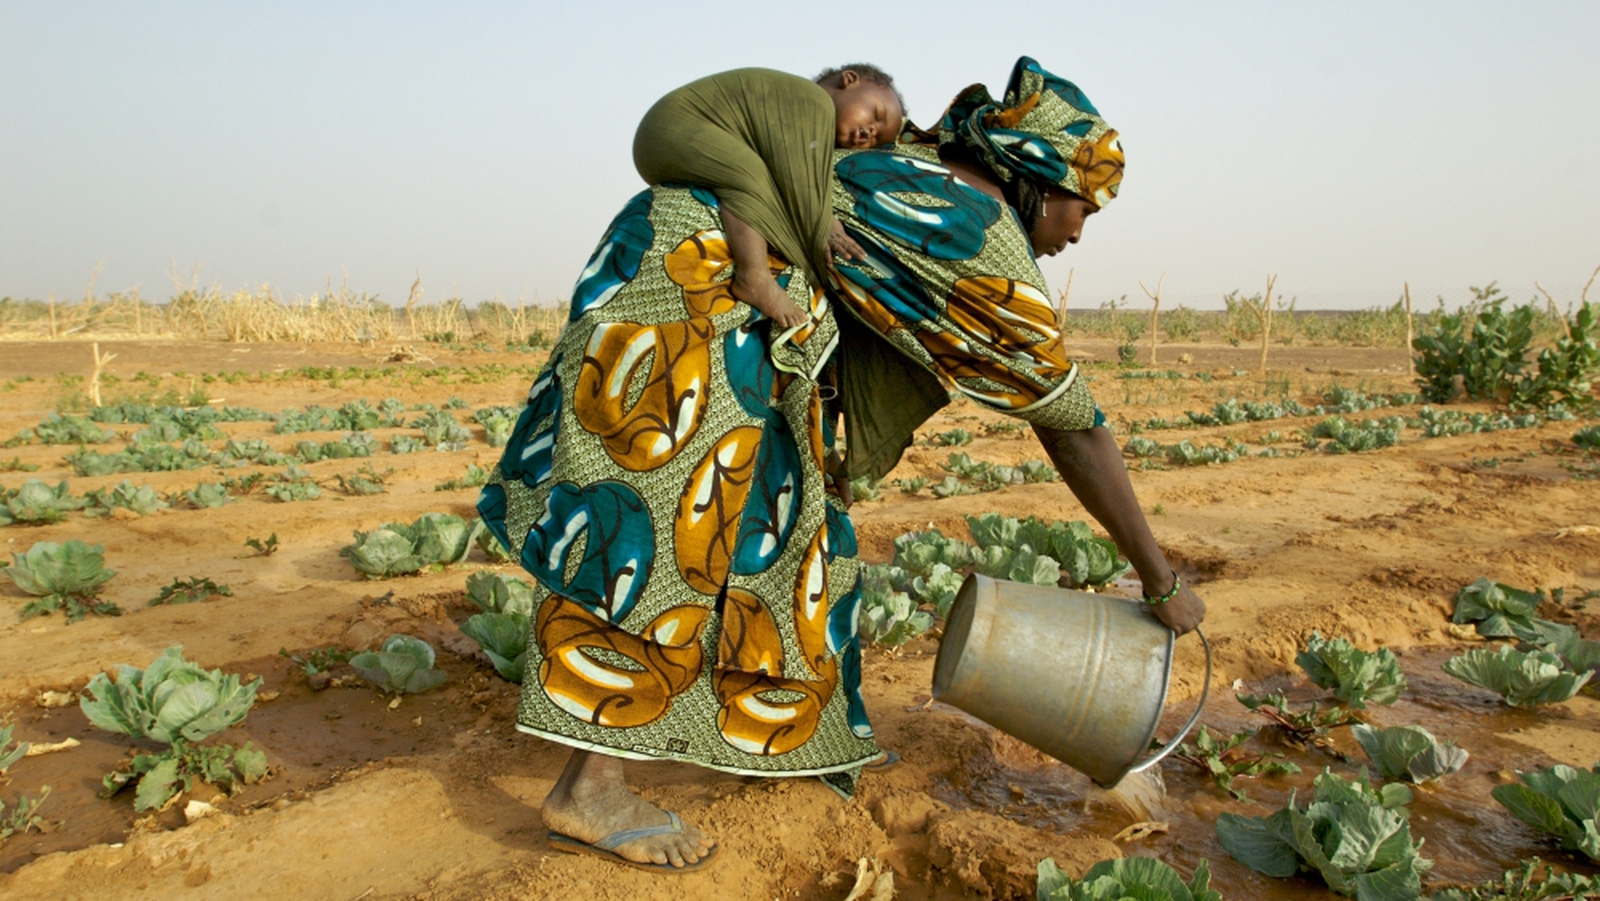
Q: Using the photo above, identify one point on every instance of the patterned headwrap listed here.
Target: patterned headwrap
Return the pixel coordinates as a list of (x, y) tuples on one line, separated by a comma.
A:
[(1045, 128)]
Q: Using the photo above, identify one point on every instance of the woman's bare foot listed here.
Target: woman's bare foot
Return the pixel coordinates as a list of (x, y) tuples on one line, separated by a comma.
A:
[(762, 292), (591, 801)]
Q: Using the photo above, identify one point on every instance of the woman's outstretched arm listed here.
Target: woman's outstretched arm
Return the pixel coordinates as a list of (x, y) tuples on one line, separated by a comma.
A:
[(1091, 465)]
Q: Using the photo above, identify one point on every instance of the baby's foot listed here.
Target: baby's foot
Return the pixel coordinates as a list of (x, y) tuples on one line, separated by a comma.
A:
[(763, 293)]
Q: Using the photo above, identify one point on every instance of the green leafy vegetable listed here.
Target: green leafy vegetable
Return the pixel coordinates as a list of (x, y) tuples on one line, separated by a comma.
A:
[(23, 817), (1356, 837), (208, 494), (1522, 679), (36, 503), (396, 549), (488, 542), (1561, 800), (1133, 878), (140, 499), (495, 593), (263, 548), (888, 617), (1530, 881), (1355, 676), (317, 660), (1499, 611), (917, 552), (503, 638), (63, 577), (1226, 760), (189, 591), (7, 758), (172, 700), (937, 588), (1304, 728), (177, 703), (404, 665), (1409, 752)]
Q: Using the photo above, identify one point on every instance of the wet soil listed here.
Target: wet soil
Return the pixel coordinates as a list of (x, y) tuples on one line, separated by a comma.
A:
[(438, 798)]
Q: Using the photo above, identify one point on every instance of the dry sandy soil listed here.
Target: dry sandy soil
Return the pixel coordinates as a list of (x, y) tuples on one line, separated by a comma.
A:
[(439, 797)]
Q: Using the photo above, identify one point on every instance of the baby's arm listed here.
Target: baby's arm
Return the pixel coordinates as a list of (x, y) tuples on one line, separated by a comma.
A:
[(752, 279), (840, 242)]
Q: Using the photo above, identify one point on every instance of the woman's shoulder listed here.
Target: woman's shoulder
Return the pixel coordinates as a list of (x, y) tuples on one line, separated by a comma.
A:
[(909, 196)]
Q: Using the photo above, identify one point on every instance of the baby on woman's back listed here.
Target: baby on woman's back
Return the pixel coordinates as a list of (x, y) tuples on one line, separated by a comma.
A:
[(763, 142)]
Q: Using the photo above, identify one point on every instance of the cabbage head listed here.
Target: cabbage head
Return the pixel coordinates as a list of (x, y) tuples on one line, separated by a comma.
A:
[(172, 701), (70, 570), (403, 665), (503, 638)]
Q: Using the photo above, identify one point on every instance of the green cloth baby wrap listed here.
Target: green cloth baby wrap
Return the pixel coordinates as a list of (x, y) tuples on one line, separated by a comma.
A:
[(763, 141)]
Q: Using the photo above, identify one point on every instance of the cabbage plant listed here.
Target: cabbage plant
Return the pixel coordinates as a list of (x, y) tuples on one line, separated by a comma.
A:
[(888, 617), (1143, 878), (496, 593), (139, 499), (63, 577), (1521, 679), (1561, 800), (504, 640), (36, 503), (1409, 752), (1356, 837), (1498, 611), (403, 665), (177, 703), (1355, 676), (397, 549), (1532, 880)]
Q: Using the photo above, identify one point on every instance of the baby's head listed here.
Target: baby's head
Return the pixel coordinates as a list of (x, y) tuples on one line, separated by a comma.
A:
[(868, 110)]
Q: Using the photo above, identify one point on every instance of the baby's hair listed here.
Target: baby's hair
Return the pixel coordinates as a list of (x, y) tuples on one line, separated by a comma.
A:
[(868, 73)]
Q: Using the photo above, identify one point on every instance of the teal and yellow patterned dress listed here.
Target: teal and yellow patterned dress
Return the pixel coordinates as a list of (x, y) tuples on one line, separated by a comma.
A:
[(697, 579), (664, 488)]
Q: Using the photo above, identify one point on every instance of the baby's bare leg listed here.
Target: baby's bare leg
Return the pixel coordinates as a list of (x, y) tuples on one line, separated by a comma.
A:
[(752, 280)]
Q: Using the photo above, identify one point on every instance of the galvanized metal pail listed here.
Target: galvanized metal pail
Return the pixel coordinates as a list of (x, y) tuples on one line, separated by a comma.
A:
[(1082, 677)]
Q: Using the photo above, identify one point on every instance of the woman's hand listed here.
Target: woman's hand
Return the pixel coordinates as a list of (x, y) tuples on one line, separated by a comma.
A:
[(1183, 612), (841, 244)]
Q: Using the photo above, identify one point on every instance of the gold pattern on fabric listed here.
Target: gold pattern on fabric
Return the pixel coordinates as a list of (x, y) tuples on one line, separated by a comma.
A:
[(708, 513), (643, 422), (996, 340), (659, 679)]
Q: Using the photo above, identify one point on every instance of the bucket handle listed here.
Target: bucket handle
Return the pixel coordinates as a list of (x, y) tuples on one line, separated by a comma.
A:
[(1205, 689)]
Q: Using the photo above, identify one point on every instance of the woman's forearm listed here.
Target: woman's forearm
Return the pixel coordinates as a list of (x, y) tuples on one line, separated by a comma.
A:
[(1091, 465)]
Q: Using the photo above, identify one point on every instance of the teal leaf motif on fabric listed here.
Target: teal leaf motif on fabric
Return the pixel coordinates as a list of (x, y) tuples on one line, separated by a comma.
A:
[(774, 505), (1057, 85), (953, 229), (842, 619), (619, 548), (850, 684), (1032, 148), (529, 454), (616, 261), (841, 534), (887, 281), (750, 371)]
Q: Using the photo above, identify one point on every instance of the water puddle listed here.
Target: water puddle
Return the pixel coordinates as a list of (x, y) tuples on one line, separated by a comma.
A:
[(1467, 834)]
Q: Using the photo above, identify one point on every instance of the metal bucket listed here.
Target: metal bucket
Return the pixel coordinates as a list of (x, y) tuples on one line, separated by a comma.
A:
[(1082, 677)]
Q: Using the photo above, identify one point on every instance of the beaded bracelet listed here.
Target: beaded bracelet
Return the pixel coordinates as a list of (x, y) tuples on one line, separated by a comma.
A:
[(1177, 585)]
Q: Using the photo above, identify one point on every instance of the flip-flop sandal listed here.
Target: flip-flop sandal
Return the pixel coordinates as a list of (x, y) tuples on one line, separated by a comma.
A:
[(606, 848), (889, 759)]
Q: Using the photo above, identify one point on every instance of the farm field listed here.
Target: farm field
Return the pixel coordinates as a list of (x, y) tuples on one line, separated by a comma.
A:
[(437, 796)]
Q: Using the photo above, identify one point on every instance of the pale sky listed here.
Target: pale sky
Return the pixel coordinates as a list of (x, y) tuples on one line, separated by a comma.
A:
[(1347, 147)]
